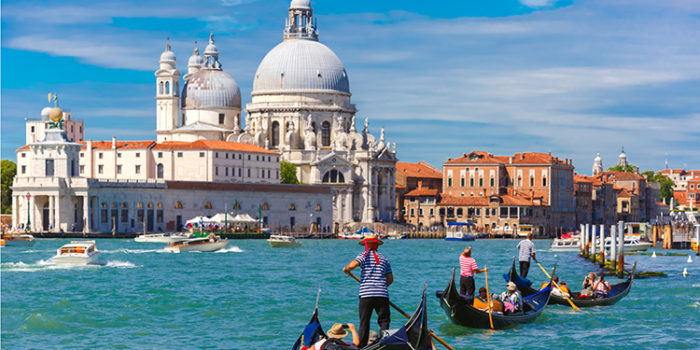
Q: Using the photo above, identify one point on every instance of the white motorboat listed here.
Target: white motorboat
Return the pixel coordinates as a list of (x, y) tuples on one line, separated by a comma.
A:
[(166, 237), (569, 244), (17, 240), (632, 244), (203, 244), (282, 241), (77, 253), (347, 235), (396, 235)]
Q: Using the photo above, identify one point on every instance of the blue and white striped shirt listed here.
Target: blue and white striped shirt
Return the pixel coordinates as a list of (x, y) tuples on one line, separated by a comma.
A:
[(373, 276)]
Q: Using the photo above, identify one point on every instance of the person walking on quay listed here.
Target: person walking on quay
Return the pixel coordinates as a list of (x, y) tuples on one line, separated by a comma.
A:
[(526, 250), (375, 279), (468, 268)]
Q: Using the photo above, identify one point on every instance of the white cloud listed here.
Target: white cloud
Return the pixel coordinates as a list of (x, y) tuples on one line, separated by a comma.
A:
[(537, 3)]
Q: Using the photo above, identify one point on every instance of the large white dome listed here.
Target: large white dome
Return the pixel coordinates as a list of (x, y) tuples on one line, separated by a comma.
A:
[(211, 88), (300, 64)]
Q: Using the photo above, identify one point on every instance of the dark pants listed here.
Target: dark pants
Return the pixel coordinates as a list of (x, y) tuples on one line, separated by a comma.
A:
[(524, 266), (367, 305), (466, 285)]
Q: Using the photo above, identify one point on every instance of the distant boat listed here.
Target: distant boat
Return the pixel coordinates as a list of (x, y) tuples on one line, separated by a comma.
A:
[(396, 235), (17, 239), (359, 234), (567, 243), (162, 237), (632, 244), (202, 244), (282, 241), (461, 231), (77, 253)]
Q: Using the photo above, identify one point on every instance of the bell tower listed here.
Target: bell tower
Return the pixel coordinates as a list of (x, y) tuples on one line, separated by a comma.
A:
[(167, 95)]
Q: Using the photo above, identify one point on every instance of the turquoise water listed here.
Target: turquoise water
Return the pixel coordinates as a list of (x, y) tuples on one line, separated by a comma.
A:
[(251, 296)]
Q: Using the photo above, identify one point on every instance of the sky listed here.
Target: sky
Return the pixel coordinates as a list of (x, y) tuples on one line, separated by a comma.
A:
[(574, 78)]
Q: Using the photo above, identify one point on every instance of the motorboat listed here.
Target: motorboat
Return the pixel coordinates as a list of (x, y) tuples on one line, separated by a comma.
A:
[(200, 244), (525, 230), (77, 253), (17, 239), (632, 244), (461, 231), (282, 241), (567, 243), (167, 237), (359, 234), (396, 235)]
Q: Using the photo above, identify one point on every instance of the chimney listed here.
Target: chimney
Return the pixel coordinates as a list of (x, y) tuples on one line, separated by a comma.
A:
[(522, 156), (510, 160), (114, 142), (420, 184)]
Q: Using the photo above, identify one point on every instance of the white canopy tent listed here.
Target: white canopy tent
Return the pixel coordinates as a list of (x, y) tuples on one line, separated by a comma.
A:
[(199, 219), (244, 218)]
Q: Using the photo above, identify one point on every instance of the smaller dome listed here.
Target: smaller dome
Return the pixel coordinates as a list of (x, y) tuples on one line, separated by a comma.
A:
[(45, 114), (195, 60), (55, 114), (211, 49), (167, 55), (211, 88), (300, 4)]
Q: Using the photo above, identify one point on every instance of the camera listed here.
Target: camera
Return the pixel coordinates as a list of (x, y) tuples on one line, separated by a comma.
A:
[(345, 326)]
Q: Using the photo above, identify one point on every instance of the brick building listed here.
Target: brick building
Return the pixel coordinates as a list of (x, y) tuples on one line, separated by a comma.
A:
[(411, 176)]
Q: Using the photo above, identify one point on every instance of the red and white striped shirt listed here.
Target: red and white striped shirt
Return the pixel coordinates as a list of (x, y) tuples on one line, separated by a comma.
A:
[(467, 266)]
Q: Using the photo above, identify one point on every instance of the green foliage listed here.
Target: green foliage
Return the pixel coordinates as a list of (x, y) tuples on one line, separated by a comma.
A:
[(288, 173), (629, 168), (666, 184), (9, 170)]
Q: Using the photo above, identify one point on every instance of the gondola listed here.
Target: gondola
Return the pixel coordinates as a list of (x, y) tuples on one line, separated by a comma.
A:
[(617, 291), (413, 335), (460, 310)]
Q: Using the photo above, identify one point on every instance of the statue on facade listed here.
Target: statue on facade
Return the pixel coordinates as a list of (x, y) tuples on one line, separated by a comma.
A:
[(352, 125), (236, 125), (309, 136), (290, 135)]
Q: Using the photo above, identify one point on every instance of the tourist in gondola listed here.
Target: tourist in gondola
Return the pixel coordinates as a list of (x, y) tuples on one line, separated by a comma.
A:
[(601, 287), (587, 285), (468, 268), (335, 338), (375, 279), (512, 299), (561, 291), (526, 251)]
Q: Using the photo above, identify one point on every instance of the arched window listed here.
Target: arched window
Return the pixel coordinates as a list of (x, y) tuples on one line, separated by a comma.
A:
[(318, 206), (207, 205), (160, 88), (159, 170), (159, 205), (326, 134), (275, 134), (139, 205), (532, 181), (167, 87), (178, 205), (114, 204), (150, 205), (124, 205), (292, 206), (265, 206), (333, 176)]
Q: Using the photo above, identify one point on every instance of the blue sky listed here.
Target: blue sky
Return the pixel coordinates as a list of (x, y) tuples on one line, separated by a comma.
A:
[(443, 78)]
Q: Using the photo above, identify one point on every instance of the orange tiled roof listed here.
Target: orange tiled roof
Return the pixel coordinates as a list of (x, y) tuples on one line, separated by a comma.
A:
[(422, 191), (23, 147), (625, 193), (694, 179), (120, 144), (446, 199), (582, 178), (619, 175), (420, 169), (478, 157), (672, 171), (211, 144), (536, 158)]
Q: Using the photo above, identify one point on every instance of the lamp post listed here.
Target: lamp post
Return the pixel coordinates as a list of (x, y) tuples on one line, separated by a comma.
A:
[(29, 196)]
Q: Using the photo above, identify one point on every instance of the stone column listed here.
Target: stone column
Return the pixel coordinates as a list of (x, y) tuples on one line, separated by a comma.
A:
[(52, 216), (15, 211), (57, 215), (86, 217), (348, 206), (33, 216)]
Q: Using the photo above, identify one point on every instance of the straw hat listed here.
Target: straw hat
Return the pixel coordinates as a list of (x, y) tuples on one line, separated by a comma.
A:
[(511, 286), (337, 331), (379, 241)]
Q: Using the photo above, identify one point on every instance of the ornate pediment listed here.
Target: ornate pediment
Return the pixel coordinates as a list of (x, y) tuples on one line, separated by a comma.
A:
[(385, 154), (332, 159)]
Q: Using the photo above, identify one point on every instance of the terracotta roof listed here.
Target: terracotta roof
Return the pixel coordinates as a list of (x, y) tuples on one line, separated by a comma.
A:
[(478, 157), (420, 169), (621, 192), (536, 158), (211, 144), (619, 175), (582, 178), (671, 171), (120, 144), (694, 179), (422, 191), (23, 147), (662, 204), (446, 199)]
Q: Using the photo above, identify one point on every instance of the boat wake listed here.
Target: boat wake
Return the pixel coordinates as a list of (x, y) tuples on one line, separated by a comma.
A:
[(133, 251), (233, 249), (120, 264), (48, 264)]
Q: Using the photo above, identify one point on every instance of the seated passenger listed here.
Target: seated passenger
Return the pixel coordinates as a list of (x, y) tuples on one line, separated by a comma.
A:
[(481, 302), (562, 291), (336, 335), (511, 298), (587, 285), (601, 287)]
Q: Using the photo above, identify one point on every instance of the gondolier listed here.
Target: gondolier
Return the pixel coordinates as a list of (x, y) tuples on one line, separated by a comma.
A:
[(376, 277), (526, 250)]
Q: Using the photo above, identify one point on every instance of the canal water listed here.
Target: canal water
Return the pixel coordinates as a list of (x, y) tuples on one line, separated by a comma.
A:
[(251, 296)]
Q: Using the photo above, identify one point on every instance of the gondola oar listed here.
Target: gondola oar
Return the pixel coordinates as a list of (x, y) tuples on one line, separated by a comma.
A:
[(408, 316), (556, 285), (488, 294)]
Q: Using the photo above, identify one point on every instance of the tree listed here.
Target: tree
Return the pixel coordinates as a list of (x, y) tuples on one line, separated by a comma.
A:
[(289, 173), (9, 170), (629, 168), (665, 183)]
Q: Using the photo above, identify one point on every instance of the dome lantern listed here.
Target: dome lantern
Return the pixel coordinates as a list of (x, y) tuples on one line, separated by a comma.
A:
[(167, 58), (300, 23)]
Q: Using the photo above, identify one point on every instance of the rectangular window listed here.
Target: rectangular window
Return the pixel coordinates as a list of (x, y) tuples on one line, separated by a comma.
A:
[(138, 154), (216, 154), (99, 155), (103, 216), (179, 154), (412, 212), (257, 158), (119, 169), (462, 182), (432, 212), (278, 174), (82, 155), (125, 214), (481, 182), (24, 155), (239, 156), (471, 182), (420, 212), (160, 154), (226, 155), (119, 154), (221, 118), (268, 173), (227, 172), (100, 169), (24, 169), (544, 182), (82, 169), (248, 172), (159, 216), (449, 182), (239, 172), (137, 170), (201, 154), (249, 157), (493, 182), (32, 129), (216, 171)]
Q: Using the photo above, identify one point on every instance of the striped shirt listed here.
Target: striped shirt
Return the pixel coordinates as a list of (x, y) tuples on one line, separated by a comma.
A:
[(467, 266), (373, 276), (525, 250)]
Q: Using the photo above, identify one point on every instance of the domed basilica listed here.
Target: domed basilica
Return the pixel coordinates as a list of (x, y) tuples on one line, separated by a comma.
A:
[(300, 107)]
